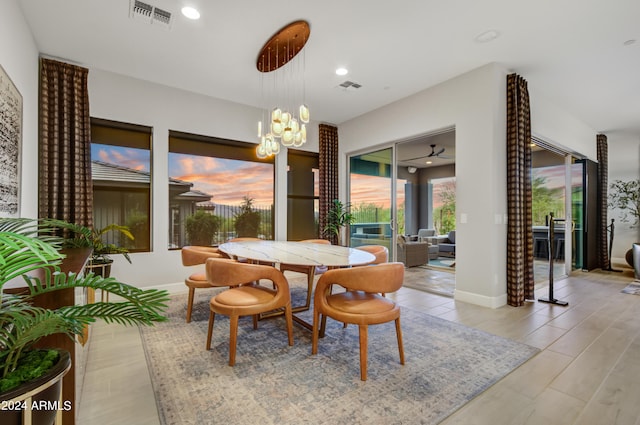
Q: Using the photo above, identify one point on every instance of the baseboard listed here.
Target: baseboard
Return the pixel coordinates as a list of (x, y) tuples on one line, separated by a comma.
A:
[(481, 300)]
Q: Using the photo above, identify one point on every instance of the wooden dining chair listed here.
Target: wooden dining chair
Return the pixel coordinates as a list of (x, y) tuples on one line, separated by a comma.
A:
[(193, 256), (310, 271), (381, 253), (248, 299), (360, 304), (249, 239)]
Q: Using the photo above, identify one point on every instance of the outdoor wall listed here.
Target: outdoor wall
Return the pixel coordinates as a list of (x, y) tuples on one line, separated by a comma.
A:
[(475, 104), (19, 58)]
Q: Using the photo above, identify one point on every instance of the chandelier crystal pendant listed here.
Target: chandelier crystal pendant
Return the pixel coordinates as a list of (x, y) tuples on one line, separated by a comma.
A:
[(284, 125)]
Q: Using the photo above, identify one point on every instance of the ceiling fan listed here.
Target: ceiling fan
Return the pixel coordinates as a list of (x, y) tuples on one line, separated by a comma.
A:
[(433, 154)]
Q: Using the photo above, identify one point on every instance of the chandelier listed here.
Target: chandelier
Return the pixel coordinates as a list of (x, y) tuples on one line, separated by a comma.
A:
[(286, 123)]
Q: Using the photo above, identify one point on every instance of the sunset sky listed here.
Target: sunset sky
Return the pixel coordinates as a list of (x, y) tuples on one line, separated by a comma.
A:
[(226, 179)]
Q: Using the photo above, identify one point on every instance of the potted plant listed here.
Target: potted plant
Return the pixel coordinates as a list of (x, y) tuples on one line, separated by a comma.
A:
[(85, 237), (338, 217), (247, 220), (625, 196), (30, 254), (201, 228)]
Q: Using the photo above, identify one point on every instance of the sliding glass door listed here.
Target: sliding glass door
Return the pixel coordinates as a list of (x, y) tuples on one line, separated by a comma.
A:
[(371, 188)]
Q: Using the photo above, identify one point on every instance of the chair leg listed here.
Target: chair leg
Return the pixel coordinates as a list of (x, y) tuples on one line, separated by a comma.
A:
[(288, 314), (212, 317), (192, 292), (400, 345), (323, 325), (310, 276), (364, 340), (315, 331), (233, 339), (255, 321)]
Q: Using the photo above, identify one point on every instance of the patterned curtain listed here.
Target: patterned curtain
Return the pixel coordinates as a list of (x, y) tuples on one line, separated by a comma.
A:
[(328, 158), (603, 184), (65, 186), (520, 281)]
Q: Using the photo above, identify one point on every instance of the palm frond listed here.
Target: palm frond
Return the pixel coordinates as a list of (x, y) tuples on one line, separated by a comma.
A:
[(124, 313), (20, 254), (28, 326), (56, 281)]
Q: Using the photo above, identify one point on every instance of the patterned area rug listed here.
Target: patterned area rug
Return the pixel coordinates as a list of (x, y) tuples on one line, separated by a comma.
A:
[(447, 365)]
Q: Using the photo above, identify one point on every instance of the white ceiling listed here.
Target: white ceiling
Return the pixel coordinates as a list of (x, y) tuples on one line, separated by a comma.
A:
[(572, 51)]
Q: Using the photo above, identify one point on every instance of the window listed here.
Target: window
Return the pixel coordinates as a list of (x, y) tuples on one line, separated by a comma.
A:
[(303, 195), (444, 205), (121, 174), (220, 177)]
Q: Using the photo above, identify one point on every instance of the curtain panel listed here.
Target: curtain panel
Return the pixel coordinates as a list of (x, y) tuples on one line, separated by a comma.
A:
[(603, 197), (65, 186), (328, 178), (520, 280)]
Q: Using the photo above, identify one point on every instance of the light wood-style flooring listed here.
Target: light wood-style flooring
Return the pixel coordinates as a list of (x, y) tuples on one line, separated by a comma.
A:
[(588, 371)]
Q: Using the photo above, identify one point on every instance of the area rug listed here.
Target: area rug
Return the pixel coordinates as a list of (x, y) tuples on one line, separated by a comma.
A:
[(429, 279), (446, 365), (633, 288), (447, 263)]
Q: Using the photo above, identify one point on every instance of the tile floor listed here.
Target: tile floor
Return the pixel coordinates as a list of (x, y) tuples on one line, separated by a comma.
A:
[(588, 371)]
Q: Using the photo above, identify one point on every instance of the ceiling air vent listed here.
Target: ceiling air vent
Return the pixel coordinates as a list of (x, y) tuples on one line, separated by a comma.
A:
[(150, 14), (350, 84)]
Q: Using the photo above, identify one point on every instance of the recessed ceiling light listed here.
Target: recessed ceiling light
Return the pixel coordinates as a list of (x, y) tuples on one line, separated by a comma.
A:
[(429, 162), (342, 71), (487, 36), (190, 12)]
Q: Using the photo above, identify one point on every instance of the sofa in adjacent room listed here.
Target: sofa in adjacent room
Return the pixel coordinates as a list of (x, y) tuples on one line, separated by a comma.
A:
[(447, 246)]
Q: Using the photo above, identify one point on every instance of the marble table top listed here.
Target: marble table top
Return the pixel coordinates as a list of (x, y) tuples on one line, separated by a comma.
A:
[(297, 253)]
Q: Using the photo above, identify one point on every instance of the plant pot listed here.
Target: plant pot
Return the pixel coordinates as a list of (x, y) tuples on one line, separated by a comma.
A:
[(39, 398), (100, 268), (633, 258)]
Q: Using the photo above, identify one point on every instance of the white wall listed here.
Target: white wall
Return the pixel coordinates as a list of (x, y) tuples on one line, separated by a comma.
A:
[(19, 58), (475, 104), (126, 99)]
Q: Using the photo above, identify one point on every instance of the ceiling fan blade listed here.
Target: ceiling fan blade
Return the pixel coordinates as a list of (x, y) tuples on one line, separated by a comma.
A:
[(439, 152), (413, 159)]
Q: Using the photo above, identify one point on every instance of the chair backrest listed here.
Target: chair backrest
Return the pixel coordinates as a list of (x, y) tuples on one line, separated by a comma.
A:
[(194, 255), (452, 236), (424, 233), (383, 278), (243, 239), (319, 241), (381, 252), (222, 272)]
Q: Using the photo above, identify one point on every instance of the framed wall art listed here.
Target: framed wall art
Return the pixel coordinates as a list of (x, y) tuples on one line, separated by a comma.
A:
[(10, 145)]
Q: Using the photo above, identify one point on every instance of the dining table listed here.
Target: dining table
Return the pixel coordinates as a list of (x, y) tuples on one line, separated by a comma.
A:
[(305, 254)]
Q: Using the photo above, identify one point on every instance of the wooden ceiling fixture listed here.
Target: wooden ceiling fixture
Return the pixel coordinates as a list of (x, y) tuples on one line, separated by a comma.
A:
[(283, 46)]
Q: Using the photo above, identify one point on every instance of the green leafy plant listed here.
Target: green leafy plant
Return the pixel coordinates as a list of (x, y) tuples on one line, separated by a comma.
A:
[(26, 247), (201, 227), (338, 217), (625, 196), (85, 237), (247, 220)]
